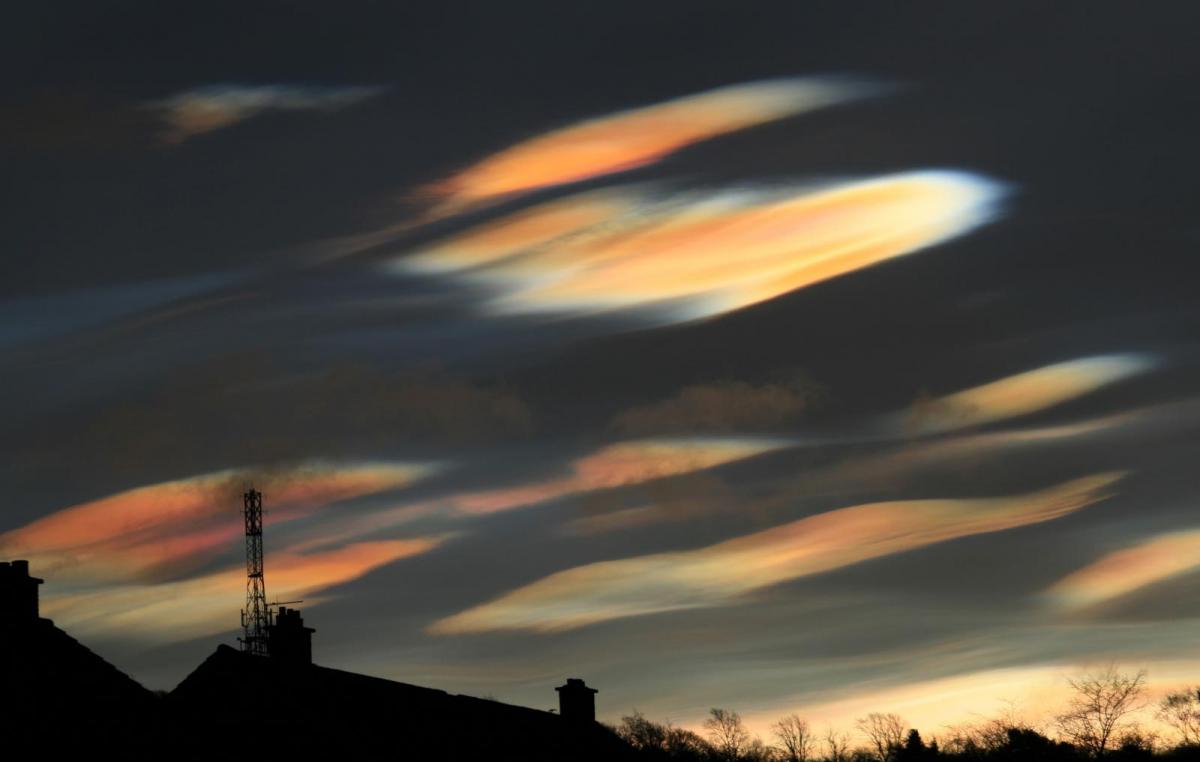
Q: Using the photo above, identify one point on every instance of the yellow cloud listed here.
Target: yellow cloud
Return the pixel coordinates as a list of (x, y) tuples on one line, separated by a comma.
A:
[(1021, 394), (634, 138), (621, 464), (616, 465), (698, 255), (1154, 560), (210, 604), (121, 536), (719, 574)]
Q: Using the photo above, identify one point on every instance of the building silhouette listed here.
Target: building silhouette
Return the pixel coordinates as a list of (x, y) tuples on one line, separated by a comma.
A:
[(54, 690), (576, 701), (59, 699)]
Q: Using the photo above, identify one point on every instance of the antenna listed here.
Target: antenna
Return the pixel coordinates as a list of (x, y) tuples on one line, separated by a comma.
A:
[(256, 617)]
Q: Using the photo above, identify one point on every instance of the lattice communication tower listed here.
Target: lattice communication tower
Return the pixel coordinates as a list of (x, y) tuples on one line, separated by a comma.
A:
[(256, 617)]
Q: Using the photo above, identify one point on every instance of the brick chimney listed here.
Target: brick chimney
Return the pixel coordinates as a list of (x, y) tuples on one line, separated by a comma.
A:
[(576, 701), (288, 640), (18, 593)]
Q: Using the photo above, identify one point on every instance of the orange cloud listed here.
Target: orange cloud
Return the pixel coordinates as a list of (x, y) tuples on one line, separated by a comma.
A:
[(1157, 559), (719, 574), (694, 256), (1021, 394), (630, 139), (210, 604), (617, 465), (621, 464), (122, 536)]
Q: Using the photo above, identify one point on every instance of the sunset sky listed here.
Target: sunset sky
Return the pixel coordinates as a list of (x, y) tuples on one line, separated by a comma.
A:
[(783, 357)]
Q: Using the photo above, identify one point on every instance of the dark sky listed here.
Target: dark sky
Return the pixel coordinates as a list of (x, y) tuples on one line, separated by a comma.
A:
[(816, 357)]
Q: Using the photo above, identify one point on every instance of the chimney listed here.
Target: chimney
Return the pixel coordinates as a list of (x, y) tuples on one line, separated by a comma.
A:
[(288, 640), (18, 593), (576, 701)]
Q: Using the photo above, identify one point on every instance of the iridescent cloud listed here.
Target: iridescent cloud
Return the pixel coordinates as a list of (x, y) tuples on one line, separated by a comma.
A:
[(691, 255), (721, 573), (124, 536), (634, 138), (209, 604), (617, 465), (1156, 559), (1022, 394), (622, 464), (204, 109)]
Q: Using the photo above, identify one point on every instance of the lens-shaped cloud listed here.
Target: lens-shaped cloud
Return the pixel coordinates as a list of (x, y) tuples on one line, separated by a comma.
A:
[(719, 574), (209, 604), (634, 138), (623, 464), (1022, 394), (122, 536), (1157, 559), (692, 255), (204, 109)]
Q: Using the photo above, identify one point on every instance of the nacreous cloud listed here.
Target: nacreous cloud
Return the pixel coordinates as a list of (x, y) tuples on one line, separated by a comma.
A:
[(1157, 559), (1022, 394), (127, 535), (205, 109), (623, 464), (634, 138), (689, 255), (719, 574), (209, 604)]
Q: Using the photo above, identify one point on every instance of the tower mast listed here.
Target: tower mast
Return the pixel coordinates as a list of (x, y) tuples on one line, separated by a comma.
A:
[(256, 617)]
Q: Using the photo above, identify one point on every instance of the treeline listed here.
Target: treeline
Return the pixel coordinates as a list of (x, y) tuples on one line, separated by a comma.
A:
[(1101, 720)]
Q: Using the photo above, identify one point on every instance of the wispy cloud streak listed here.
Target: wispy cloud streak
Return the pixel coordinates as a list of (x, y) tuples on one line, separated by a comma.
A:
[(634, 138), (127, 535), (1020, 394), (209, 604), (623, 464), (720, 574), (214, 107), (1157, 559), (698, 254)]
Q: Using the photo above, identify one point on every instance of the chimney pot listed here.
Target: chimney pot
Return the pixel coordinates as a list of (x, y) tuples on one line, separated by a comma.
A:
[(18, 592), (576, 701)]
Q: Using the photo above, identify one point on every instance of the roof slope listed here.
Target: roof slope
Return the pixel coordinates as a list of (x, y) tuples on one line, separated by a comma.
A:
[(310, 711), (52, 682)]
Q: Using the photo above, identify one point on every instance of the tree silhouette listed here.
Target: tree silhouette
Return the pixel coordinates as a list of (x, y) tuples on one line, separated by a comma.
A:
[(1100, 708), (885, 733), (728, 734), (914, 749), (1181, 710), (662, 740), (795, 739), (838, 745)]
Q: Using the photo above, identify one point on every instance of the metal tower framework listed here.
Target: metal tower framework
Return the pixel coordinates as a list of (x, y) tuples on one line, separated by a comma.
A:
[(256, 617)]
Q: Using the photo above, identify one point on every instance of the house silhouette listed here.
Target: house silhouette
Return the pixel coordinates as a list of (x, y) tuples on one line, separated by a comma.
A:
[(281, 706)]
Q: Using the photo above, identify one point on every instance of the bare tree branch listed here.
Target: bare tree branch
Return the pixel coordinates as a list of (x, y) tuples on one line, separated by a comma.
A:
[(1100, 708)]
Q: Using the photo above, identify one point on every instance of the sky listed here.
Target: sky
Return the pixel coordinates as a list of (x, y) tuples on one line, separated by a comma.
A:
[(783, 357)]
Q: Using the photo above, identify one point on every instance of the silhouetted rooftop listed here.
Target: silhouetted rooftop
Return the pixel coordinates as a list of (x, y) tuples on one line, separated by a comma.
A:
[(58, 694), (338, 712)]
